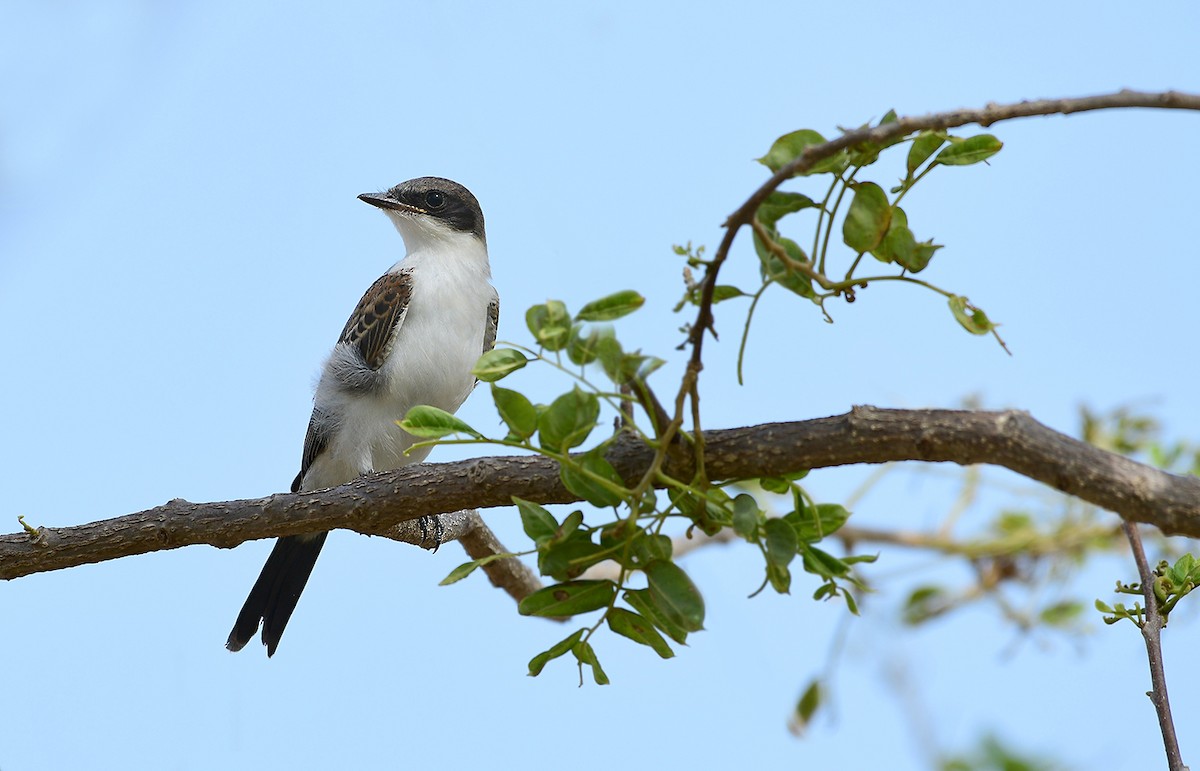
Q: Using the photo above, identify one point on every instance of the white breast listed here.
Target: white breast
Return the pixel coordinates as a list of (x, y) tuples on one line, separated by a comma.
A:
[(430, 363)]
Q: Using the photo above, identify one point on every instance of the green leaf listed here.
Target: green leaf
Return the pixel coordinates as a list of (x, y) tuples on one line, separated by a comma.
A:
[(550, 324), (614, 306), (923, 603), (1061, 614), (568, 599), (971, 318), (824, 564), (868, 218), (808, 704), (816, 522), (516, 411), (648, 547), (497, 363), (723, 292), (779, 577), (773, 268), (583, 349), (586, 655), (777, 485), (460, 572), (899, 245), (566, 558), (964, 152), (779, 204), (629, 624), (538, 662), (745, 516), (641, 601), (426, 421), (675, 595), (780, 539), (568, 420), (925, 144), (789, 147), (587, 488), (539, 524)]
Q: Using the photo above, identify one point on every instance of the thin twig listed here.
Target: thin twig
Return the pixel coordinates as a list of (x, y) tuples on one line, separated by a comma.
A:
[(1152, 633)]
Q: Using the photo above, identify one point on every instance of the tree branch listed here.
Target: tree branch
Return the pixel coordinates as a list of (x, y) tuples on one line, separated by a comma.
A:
[(986, 116), (1152, 634), (376, 503)]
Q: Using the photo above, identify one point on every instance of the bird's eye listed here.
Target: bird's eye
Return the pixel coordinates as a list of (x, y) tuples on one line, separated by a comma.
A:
[(435, 199)]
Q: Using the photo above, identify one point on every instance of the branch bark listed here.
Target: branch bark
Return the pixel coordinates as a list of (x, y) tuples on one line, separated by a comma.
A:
[(376, 503), (1152, 634)]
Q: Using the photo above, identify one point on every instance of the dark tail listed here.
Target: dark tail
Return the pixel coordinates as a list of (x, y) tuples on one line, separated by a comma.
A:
[(276, 591)]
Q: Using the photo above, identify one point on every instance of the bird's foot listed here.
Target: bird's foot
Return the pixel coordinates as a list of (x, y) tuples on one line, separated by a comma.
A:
[(433, 530)]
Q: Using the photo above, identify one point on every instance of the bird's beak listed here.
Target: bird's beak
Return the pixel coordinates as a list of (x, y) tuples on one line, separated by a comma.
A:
[(383, 202)]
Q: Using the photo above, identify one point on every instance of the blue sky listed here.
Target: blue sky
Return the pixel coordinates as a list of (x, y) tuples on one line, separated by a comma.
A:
[(180, 243)]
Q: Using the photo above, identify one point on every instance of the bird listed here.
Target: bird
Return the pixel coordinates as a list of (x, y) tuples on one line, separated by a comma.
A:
[(413, 339)]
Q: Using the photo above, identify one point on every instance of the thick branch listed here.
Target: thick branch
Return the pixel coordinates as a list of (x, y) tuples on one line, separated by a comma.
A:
[(378, 502)]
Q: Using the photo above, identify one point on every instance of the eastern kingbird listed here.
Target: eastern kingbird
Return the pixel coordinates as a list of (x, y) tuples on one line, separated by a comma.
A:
[(413, 339)]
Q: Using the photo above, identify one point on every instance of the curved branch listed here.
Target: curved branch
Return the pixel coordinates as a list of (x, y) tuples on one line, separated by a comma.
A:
[(376, 503), (880, 135)]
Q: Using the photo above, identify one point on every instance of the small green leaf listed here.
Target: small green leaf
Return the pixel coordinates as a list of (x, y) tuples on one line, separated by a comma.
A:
[(779, 204), (771, 267), (824, 564), (649, 547), (923, 603), (629, 624), (964, 152), (614, 306), (538, 523), (568, 420), (816, 522), (568, 599), (779, 577), (587, 488), (566, 558), (723, 292), (641, 601), (971, 318), (460, 572), (675, 595), (1102, 607), (550, 324), (809, 702), (745, 516), (538, 662), (925, 144), (583, 349), (789, 147), (497, 363), (586, 655), (1061, 614), (426, 421), (780, 539), (516, 411), (868, 218), (777, 485)]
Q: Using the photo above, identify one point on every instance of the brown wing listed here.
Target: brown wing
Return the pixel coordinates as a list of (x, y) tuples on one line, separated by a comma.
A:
[(377, 315)]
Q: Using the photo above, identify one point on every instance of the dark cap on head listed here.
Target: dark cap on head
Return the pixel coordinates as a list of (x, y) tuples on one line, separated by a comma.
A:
[(442, 199)]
